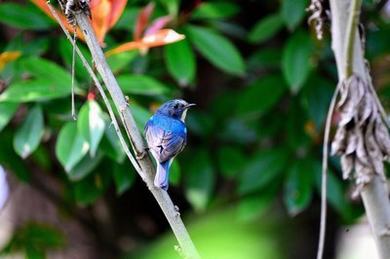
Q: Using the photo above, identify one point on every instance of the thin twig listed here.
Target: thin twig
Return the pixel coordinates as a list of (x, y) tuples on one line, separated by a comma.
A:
[(324, 180), (74, 116)]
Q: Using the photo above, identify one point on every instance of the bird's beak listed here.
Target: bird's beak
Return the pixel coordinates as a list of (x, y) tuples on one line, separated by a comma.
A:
[(190, 105)]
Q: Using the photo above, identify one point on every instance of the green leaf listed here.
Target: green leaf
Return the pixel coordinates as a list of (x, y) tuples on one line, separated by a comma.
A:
[(293, 12), (217, 49), (24, 16), (254, 206), (71, 146), (46, 69), (50, 81), (200, 180), (91, 125), (111, 145), (296, 60), (299, 185), (231, 161), (124, 177), (128, 17), (120, 61), (316, 96), (262, 169), (34, 239), (84, 167), (172, 6), (259, 97), (9, 159), (141, 84), (141, 115), (89, 189), (180, 61), (29, 135), (174, 173), (7, 111), (217, 10), (265, 58), (266, 28)]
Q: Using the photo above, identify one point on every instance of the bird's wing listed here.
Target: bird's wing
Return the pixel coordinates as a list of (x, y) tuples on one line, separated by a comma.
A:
[(164, 144)]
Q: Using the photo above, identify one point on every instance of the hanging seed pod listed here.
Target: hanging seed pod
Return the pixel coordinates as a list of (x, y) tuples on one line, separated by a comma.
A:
[(361, 139)]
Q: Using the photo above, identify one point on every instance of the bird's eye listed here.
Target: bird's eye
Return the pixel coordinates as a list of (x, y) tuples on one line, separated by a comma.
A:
[(176, 106)]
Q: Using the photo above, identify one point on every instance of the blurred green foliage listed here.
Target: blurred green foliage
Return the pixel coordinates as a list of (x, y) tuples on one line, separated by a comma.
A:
[(262, 83)]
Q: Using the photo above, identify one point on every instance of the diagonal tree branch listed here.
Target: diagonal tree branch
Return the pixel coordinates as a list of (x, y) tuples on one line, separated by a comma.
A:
[(143, 166), (162, 197)]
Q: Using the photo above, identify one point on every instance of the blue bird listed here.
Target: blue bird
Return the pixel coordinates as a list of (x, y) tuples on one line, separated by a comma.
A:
[(166, 135)]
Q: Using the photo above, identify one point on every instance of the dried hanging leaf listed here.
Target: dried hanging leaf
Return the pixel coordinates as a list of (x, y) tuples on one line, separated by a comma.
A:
[(361, 139)]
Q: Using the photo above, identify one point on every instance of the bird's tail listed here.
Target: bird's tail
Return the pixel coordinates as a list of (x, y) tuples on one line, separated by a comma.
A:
[(162, 175)]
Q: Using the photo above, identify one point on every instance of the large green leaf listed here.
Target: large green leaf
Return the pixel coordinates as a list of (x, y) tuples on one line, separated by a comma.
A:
[(49, 81), (217, 49), (263, 168), (91, 125), (215, 10), (71, 146), (266, 28), (200, 180), (180, 61), (141, 84), (7, 111), (296, 60), (260, 96), (299, 185), (293, 11), (29, 135), (24, 16)]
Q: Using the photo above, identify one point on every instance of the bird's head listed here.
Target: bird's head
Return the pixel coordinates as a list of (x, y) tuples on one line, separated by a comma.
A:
[(176, 108)]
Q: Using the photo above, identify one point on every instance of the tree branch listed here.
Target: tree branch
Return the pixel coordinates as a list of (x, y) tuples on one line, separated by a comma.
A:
[(162, 197), (143, 166), (348, 51)]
